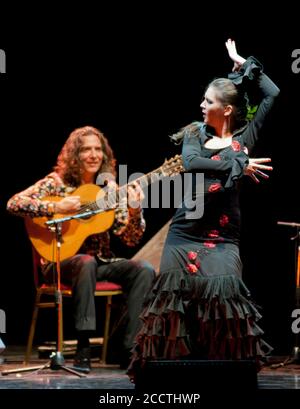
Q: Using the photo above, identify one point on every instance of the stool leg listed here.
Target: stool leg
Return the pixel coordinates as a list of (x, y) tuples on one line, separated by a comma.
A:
[(106, 328), (32, 328)]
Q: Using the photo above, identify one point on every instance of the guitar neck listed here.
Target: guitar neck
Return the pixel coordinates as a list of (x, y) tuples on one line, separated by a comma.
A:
[(110, 200), (114, 197), (143, 180)]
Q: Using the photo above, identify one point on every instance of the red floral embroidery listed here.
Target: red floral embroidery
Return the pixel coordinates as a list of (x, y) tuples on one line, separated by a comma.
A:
[(216, 157), (214, 187), (192, 268), (235, 146), (192, 255), (194, 264), (197, 264), (209, 244), (213, 234), (224, 219)]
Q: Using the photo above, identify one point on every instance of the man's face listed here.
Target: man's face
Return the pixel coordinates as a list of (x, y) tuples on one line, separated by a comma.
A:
[(90, 155)]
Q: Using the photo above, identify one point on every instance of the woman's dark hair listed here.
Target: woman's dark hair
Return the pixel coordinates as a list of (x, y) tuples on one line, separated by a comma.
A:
[(228, 94), (68, 163)]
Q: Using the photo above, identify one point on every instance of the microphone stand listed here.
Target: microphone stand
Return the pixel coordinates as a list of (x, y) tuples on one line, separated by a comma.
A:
[(294, 358), (57, 360)]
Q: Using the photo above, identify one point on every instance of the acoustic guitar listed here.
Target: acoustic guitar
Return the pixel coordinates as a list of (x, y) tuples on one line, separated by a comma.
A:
[(75, 231)]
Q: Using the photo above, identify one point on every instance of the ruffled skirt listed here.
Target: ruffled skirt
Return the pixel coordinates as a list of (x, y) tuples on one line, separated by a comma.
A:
[(199, 308)]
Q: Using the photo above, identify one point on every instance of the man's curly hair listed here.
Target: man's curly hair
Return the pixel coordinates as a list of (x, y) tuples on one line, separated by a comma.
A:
[(68, 164)]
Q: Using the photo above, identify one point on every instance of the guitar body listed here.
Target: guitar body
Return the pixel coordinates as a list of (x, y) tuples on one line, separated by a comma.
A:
[(74, 231)]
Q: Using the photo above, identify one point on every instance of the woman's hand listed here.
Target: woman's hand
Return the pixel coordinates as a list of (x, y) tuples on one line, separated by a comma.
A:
[(236, 58), (254, 166)]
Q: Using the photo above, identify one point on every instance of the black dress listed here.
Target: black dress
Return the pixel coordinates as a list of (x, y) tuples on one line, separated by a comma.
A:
[(199, 306)]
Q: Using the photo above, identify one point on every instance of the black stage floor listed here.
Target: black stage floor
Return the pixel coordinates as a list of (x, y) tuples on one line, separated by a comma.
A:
[(109, 387), (112, 377)]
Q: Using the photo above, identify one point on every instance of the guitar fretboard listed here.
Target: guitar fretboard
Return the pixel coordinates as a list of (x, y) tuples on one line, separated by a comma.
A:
[(113, 197)]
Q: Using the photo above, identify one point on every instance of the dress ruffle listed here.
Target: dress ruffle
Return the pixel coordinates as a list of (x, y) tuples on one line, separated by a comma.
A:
[(240, 161), (246, 80), (196, 317), (250, 70)]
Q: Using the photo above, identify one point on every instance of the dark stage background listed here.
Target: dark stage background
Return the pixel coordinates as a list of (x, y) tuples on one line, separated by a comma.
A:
[(139, 80)]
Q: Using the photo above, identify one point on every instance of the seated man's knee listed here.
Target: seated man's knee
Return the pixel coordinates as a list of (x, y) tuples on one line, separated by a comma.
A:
[(85, 263), (146, 270)]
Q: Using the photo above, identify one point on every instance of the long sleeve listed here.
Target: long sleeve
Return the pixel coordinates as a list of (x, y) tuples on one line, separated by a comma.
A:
[(192, 160), (231, 169), (29, 202), (129, 225), (251, 76)]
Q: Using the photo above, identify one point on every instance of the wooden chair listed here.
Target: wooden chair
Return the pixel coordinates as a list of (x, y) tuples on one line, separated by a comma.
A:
[(103, 289)]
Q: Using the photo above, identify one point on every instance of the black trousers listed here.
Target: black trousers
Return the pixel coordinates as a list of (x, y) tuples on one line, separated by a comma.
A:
[(82, 271)]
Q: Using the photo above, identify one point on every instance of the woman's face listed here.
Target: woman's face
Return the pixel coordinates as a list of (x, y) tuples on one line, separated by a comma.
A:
[(212, 108)]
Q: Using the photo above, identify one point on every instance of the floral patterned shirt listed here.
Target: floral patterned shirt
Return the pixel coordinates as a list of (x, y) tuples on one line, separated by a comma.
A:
[(129, 226)]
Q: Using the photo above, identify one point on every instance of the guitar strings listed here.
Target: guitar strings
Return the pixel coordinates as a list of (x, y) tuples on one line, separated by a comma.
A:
[(93, 205), (110, 198)]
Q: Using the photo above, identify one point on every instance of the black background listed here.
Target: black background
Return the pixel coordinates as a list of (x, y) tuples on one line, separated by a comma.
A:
[(139, 75)]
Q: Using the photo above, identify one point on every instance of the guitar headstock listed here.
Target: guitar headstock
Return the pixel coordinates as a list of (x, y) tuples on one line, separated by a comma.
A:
[(173, 166)]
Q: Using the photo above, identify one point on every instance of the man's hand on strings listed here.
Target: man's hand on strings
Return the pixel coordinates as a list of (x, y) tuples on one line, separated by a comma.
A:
[(135, 197)]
